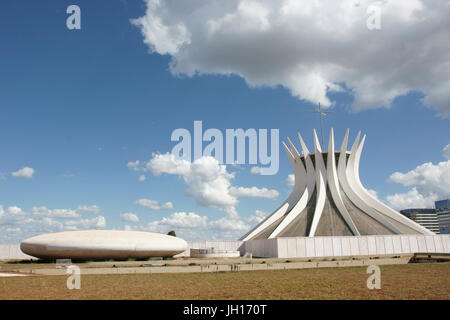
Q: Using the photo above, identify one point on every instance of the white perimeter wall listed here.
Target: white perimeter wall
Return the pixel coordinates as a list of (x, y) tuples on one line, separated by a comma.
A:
[(302, 247), (12, 251), (218, 245)]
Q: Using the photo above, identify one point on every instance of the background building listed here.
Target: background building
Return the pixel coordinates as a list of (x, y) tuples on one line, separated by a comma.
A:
[(425, 217), (443, 215)]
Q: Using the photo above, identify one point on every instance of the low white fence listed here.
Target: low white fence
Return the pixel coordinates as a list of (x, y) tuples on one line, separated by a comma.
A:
[(302, 247), (12, 251), (218, 245)]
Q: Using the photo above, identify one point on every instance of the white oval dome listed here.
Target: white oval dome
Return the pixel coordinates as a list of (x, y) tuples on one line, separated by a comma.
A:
[(102, 244)]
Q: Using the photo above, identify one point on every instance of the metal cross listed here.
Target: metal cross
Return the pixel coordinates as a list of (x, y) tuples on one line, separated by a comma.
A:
[(321, 114)]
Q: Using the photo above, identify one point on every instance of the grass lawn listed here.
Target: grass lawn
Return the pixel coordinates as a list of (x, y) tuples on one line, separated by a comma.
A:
[(411, 281)]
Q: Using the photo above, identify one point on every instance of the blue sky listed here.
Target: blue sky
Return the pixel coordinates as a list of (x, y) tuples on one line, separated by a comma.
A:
[(78, 105)]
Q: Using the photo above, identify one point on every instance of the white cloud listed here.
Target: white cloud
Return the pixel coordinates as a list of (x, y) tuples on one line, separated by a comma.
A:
[(129, 217), (185, 220), (257, 217), (254, 192), (100, 222), (25, 172), (229, 224), (92, 209), (94, 223), (309, 47), (255, 170), (166, 163), (411, 199), (373, 193), (43, 211), (429, 182), (207, 181), (133, 165), (290, 180), (142, 178), (193, 226), (14, 210), (17, 224), (446, 152), (154, 205), (209, 184)]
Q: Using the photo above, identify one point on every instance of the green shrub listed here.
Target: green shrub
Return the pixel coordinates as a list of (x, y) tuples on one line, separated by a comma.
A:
[(172, 233)]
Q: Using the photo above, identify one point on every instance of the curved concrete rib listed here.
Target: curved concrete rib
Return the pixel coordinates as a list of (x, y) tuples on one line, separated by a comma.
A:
[(300, 177), (293, 149), (310, 184), (298, 167), (310, 171), (333, 183), (378, 205), (341, 178), (347, 179), (321, 183)]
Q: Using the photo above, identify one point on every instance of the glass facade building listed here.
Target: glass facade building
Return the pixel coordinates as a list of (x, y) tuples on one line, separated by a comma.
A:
[(425, 217), (443, 215)]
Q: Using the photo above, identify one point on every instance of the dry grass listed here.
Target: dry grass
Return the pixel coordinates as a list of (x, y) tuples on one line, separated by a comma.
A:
[(412, 281)]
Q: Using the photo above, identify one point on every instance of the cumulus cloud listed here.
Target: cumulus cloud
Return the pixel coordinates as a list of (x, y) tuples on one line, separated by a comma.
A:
[(310, 47), (54, 213), (373, 193), (14, 210), (430, 182), (191, 225), (255, 170), (229, 224), (25, 172), (209, 184), (257, 217), (185, 220), (254, 192), (17, 224), (129, 217), (207, 181), (133, 165), (411, 199), (91, 209), (290, 180), (153, 204), (446, 152), (142, 178), (83, 224)]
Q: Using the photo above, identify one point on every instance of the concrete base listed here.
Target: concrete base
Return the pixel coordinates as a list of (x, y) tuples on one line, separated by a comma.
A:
[(214, 253), (304, 247)]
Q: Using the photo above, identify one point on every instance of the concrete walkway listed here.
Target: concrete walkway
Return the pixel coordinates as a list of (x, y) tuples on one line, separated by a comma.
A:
[(11, 275)]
